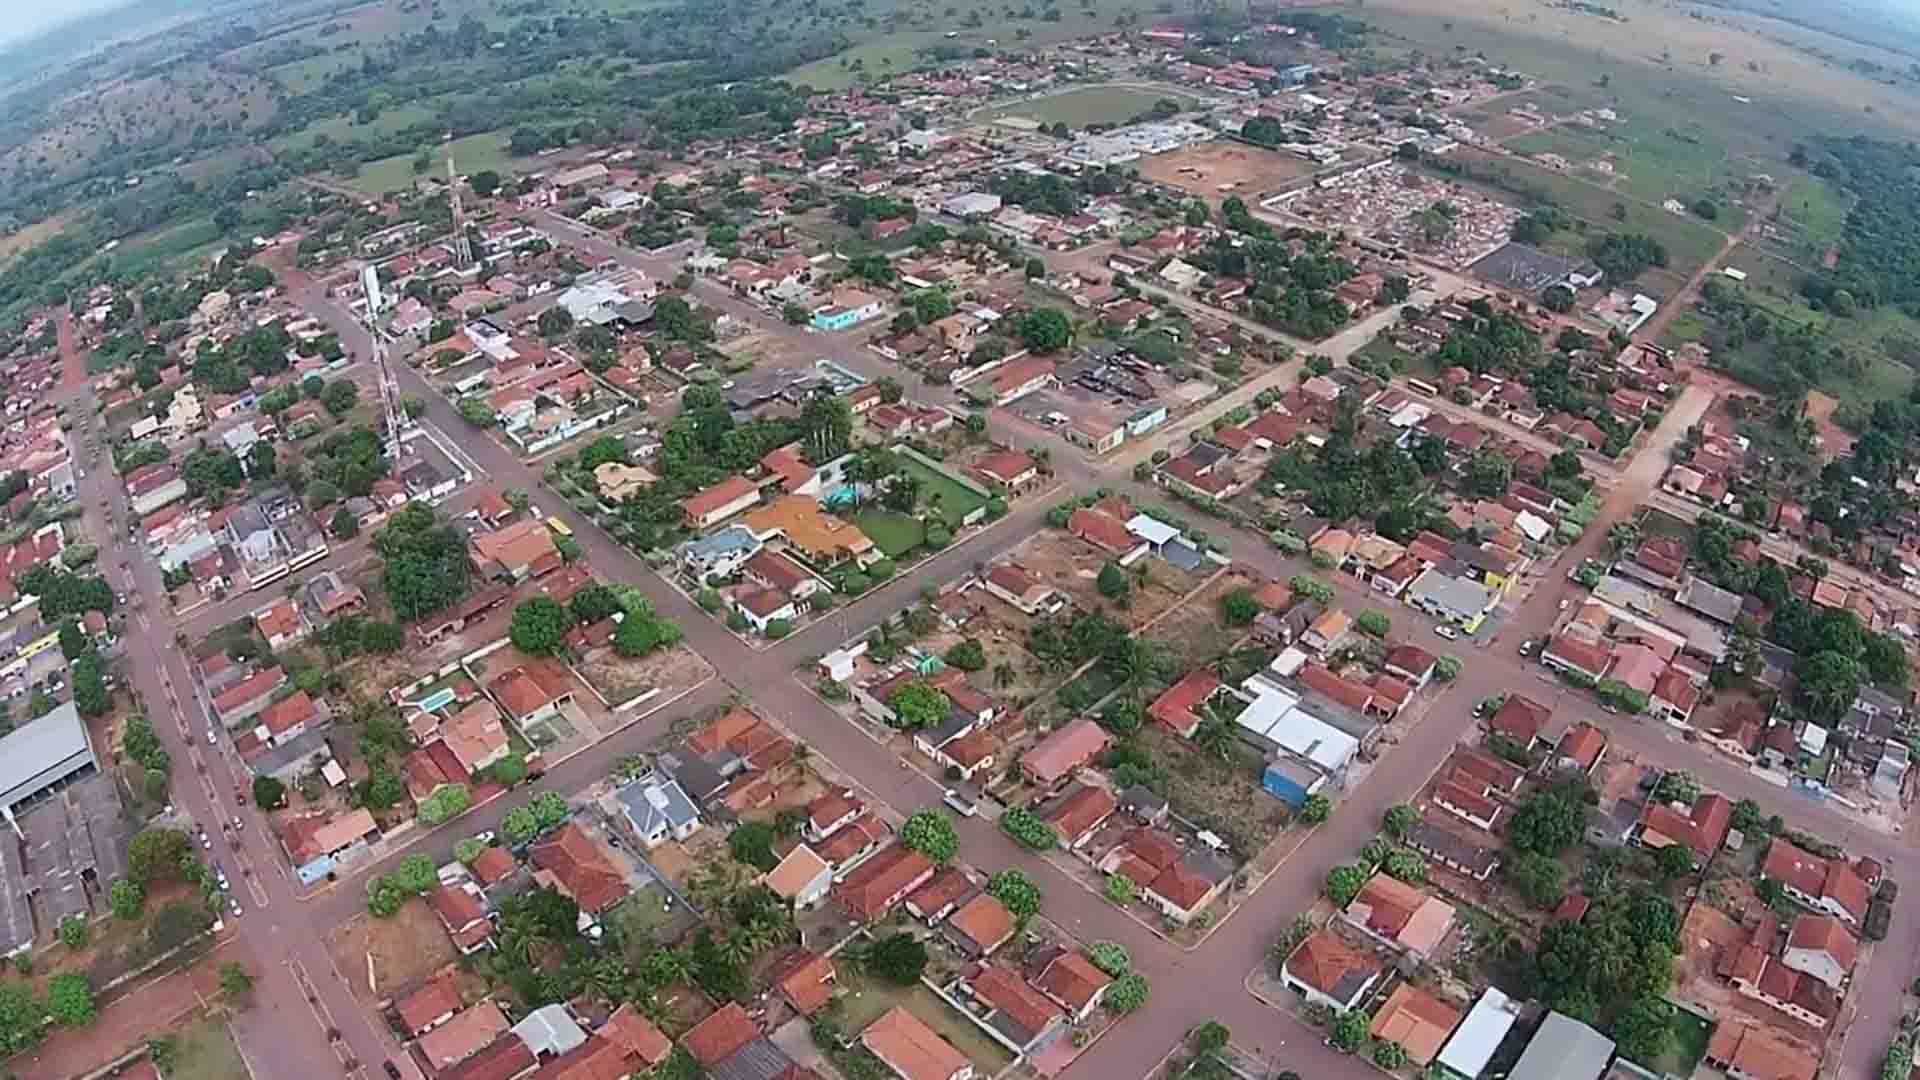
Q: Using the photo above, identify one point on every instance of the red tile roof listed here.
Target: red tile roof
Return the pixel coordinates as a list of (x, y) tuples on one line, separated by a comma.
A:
[(421, 1008), (1065, 750), (1007, 992), (875, 885), (582, 868), (1104, 532), (1702, 829), (1079, 811), (1323, 961), (1520, 719), (1178, 708), (1824, 933), (1072, 980), (714, 1039), (983, 920)]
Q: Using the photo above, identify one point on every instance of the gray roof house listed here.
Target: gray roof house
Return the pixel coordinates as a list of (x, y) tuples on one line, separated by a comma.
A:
[(757, 1060), (1455, 599), (658, 809), (1563, 1049), (550, 1030), (1710, 600)]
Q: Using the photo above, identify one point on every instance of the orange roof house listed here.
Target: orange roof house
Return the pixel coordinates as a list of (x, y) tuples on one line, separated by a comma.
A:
[(1417, 1021), (575, 864)]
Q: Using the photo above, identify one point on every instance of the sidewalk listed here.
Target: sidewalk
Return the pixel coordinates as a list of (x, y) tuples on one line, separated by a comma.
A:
[(128, 1019)]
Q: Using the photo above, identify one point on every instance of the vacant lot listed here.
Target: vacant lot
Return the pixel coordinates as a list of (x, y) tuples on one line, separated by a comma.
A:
[(406, 950), (1090, 105), (1193, 633), (1070, 565), (205, 1051), (619, 679), (1224, 796), (1216, 170)]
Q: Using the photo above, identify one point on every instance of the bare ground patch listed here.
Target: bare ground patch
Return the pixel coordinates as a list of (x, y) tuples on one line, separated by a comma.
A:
[(1215, 171), (619, 678), (406, 950)]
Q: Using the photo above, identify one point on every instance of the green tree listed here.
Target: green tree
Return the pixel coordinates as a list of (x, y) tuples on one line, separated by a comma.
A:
[(70, 1000), (540, 625), (1110, 957), (157, 855), (1045, 330), (917, 705), (1549, 822), (752, 843), (1016, 891), (898, 958), (127, 898), (22, 1017), (1121, 890), (1375, 623), (1028, 830), (235, 982), (74, 932), (1344, 883), (931, 833), (1239, 608), (1127, 993), (268, 793), (345, 525), (1350, 1030), (1113, 582), (1644, 1030), (1315, 809), (446, 803), (968, 655), (1539, 879), (1399, 820)]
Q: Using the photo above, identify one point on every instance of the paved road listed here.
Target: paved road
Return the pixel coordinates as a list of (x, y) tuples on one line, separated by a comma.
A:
[(285, 1036), (1189, 986)]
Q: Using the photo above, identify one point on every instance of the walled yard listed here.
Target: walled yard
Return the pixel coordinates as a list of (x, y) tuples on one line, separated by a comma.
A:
[(1224, 796), (1194, 632), (620, 678)]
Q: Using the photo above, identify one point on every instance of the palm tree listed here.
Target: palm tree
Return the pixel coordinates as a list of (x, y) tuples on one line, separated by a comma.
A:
[(1003, 675), (1215, 736), (1622, 536)]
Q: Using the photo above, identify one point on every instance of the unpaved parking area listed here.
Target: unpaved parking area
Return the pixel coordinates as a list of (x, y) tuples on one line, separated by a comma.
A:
[(1215, 171)]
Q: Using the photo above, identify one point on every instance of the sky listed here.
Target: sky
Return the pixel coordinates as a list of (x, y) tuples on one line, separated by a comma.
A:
[(30, 17)]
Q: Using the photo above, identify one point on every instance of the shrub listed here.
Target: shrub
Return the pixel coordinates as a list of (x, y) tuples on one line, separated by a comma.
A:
[(1028, 830)]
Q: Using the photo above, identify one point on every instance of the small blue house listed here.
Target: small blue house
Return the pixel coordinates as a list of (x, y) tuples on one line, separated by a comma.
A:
[(1292, 780)]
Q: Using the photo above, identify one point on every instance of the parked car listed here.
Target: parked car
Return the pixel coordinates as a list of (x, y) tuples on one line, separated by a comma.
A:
[(1446, 631)]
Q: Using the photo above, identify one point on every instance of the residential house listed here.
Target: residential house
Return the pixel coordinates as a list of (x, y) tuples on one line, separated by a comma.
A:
[(806, 980), (1829, 886), (871, 889), (1563, 1048), (463, 911), (1400, 916), (979, 926), (1746, 1051), (517, 552), (658, 809), (575, 864), (1580, 748), (1416, 1021), (1009, 468), (720, 1035), (802, 879), (534, 691), (468, 1033), (1520, 718), (1332, 630), (1015, 1010), (1068, 978), (1823, 947), (721, 501), (1078, 813), (1674, 697), (1064, 751), (1026, 593), (1180, 708), (428, 1007), (910, 1048), (1702, 827), (940, 896), (1327, 971)]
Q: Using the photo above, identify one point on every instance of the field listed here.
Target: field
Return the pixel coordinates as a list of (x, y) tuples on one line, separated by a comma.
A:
[(865, 1000), (205, 1051), (1659, 62), (1215, 170), (1653, 158), (343, 128), (1090, 105), (471, 154), (1689, 243)]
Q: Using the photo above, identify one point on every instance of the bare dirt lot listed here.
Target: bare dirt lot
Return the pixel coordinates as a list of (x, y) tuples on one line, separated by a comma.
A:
[(619, 678), (1834, 441), (1214, 171), (1071, 565), (1193, 632), (406, 949), (1224, 796)]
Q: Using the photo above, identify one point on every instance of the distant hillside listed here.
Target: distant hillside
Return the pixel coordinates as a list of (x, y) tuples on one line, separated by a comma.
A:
[(87, 33), (1883, 24)]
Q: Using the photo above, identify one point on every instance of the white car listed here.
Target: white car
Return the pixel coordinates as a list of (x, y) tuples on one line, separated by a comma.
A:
[(485, 836), (1446, 631)]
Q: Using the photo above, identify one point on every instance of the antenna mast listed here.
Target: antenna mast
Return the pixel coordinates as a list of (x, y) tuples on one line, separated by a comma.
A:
[(389, 387), (462, 246)]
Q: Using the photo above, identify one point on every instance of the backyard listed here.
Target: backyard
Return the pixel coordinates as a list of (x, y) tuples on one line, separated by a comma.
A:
[(941, 493), (864, 999), (895, 533)]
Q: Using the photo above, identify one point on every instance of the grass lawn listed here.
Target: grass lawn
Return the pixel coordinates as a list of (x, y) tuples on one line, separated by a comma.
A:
[(896, 533), (470, 155), (1092, 105), (941, 493), (1686, 1048), (205, 1051), (864, 1000), (1817, 210)]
